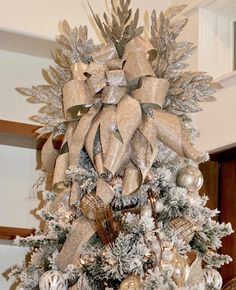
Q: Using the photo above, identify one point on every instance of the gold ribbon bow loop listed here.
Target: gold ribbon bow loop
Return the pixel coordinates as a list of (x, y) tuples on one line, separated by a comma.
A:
[(77, 99), (152, 92), (49, 155), (62, 161), (172, 132), (136, 60), (128, 119)]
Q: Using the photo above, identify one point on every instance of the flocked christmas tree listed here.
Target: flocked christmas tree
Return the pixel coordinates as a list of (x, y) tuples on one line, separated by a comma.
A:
[(123, 210)]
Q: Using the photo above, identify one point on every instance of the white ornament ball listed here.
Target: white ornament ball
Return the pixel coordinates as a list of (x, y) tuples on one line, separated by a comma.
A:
[(146, 211), (158, 206), (190, 178), (53, 280), (213, 278), (168, 269), (167, 256)]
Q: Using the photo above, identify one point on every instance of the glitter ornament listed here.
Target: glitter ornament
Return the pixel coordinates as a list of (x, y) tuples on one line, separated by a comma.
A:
[(213, 278), (190, 177), (183, 228), (53, 280), (91, 205), (131, 283)]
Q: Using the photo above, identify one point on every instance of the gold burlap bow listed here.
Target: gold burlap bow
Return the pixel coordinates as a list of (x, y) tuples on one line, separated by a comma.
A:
[(116, 106)]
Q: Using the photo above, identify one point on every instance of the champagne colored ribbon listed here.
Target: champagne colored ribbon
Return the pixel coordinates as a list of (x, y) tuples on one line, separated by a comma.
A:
[(48, 150), (80, 233), (62, 161), (196, 275), (120, 135)]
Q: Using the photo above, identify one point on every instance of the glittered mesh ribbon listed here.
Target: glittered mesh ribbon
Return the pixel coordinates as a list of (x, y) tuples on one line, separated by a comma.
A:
[(116, 105)]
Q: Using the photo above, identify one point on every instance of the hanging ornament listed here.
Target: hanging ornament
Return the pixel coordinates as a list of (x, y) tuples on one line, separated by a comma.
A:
[(131, 283), (183, 228), (213, 278), (181, 269), (146, 211), (90, 205), (190, 178), (158, 207), (53, 280)]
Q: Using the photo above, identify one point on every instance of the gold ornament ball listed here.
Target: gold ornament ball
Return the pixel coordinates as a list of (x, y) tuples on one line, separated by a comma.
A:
[(131, 283), (190, 178)]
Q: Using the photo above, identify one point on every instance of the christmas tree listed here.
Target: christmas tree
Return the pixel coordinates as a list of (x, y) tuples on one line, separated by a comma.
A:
[(123, 209)]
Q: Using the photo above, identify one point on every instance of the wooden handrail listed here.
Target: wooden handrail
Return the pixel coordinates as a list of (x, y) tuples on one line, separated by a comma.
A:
[(17, 128), (9, 233), (20, 135)]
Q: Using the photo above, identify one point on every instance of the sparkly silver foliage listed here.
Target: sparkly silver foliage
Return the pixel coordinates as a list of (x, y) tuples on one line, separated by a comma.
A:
[(187, 89), (75, 47), (121, 26)]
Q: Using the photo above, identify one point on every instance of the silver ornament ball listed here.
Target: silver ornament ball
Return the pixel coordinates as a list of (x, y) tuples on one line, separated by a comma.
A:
[(146, 211), (158, 207), (190, 178), (53, 280), (213, 278), (167, 256)]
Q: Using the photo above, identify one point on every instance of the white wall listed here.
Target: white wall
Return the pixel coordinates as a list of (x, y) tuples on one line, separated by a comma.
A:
[(19, 70)]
